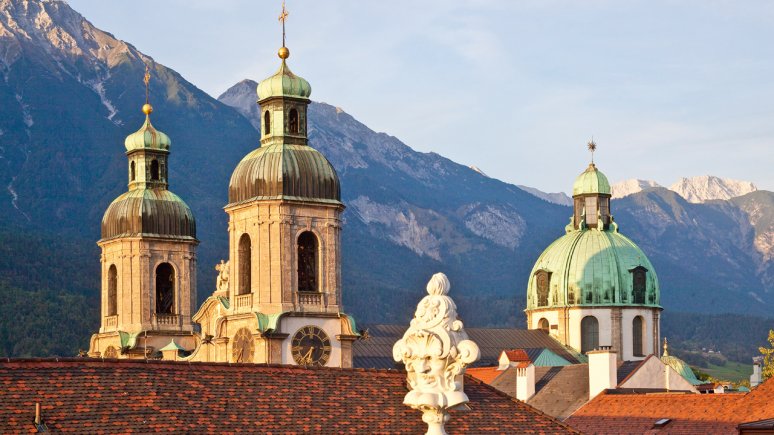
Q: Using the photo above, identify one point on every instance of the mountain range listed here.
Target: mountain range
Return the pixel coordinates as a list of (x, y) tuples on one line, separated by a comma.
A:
[(693, 189), (70, 93)]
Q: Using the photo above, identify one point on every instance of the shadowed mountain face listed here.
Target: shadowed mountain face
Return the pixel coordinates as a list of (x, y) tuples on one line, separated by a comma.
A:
[(70, 93)]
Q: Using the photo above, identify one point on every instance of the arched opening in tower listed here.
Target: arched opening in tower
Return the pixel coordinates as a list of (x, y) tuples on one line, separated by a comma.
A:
[(112, 291), (293, 121), (589, 333), (307, 262), (637, 333), (165, 288), (154, 169), (266, 123), (245, 265)]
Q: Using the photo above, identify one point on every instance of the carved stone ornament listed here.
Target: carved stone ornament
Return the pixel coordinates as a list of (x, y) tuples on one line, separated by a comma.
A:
[(222, 284), (435, 350)]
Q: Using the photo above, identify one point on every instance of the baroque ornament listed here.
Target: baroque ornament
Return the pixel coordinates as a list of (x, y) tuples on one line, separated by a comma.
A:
[(435, 350)]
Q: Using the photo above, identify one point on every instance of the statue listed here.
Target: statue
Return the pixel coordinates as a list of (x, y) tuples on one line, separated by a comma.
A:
[(222, 283), (435, 350)]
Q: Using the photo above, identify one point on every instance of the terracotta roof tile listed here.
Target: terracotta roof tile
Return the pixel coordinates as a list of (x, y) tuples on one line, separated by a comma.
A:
[(517, 355), (484, 374), (107, 396), (688, 413)]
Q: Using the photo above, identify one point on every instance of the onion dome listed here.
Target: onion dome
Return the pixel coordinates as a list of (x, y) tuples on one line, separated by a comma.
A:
[(591, 181), (148, 213), (679, 366), (591, 268), (284, 83), (284, 171), (147, 137)]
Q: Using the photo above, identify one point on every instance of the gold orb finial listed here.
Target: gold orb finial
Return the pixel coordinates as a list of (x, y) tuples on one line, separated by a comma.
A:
[(283, 53), (147, 109)]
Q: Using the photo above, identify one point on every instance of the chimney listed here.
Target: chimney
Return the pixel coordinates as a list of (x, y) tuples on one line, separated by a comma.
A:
[(603, 370), (757, 377), (525, 381)]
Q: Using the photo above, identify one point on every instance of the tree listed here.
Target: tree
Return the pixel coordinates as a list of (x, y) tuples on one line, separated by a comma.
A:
[(768, 357)]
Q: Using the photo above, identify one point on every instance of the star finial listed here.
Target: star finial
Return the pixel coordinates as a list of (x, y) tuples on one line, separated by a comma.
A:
[(592, 146)]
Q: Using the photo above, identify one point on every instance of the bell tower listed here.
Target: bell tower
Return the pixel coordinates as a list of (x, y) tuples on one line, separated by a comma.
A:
[(284, 285), (148, 256)]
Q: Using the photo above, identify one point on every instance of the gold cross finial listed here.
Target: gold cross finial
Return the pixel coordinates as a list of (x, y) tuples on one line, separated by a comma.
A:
[(592, 146), (283, 17), (147, 108)]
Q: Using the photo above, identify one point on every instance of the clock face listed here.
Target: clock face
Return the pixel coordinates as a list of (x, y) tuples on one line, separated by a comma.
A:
[(243, 347), (311, 346), (110, 352)]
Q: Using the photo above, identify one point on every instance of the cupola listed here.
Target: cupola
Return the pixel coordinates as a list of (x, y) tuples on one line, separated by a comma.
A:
[(148, 208), (147, 137), (284, 167), (591, 197), (284, 83)]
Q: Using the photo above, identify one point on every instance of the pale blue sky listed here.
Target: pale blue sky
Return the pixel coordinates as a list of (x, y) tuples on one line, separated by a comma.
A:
[(667, 88)]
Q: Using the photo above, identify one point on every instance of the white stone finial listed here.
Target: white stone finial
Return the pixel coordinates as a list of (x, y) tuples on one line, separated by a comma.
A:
[(435, 350)]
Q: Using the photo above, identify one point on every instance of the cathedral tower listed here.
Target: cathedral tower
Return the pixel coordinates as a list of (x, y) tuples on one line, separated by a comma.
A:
[(593, 286), (148, 256), (282, 301)]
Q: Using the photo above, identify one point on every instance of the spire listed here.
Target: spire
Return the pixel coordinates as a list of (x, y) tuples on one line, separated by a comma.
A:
[(666, 347), (283, 52), (147, 108)]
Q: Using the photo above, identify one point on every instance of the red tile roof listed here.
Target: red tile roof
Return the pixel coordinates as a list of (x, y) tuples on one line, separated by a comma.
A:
[(689, 413), (96, 396), (517, 355), (484, 374)]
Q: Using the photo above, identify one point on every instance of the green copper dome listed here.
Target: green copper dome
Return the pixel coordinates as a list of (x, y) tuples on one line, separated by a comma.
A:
[(283, 171), (591, 181), (147, 137), (148, 213), (284, 84), (591, 267), (681, 368)]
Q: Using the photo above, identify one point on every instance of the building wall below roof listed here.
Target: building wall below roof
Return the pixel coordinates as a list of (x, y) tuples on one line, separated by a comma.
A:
[(565, 326), (653, 373)]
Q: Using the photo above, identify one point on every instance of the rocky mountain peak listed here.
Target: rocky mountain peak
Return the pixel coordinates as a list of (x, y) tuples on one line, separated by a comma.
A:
[(628, 187), (708, 187)]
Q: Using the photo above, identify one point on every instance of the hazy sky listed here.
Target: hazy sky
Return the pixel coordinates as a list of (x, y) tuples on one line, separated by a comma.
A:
[(667, 88)]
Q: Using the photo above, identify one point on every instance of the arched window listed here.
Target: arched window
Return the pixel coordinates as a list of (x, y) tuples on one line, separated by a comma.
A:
[(542, 279), (266, 123), (165, 288), (245, 264), (112, 291), (154, 170), (639, 284), (307, 262), (637, 330), (293, 121), (543, 325), (589, 333), (131, 171)]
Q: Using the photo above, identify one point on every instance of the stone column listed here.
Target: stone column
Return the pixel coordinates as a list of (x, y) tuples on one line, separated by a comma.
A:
[(617, 331)]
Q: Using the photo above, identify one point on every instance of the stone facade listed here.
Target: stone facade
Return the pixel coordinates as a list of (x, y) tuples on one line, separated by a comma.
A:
[(615, 327), (280, 298), (148, 259)]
